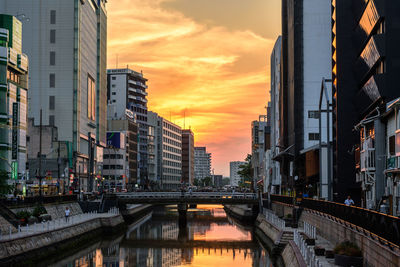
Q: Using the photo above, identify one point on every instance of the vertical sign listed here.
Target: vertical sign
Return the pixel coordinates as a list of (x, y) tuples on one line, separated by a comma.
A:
[(14, 144)]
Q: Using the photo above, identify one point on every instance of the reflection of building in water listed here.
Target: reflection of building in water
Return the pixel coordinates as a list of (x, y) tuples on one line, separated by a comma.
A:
[(200, 229), (170, 257)]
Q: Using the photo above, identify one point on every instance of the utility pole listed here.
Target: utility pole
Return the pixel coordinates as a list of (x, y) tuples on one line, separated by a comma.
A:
[(40, 157)]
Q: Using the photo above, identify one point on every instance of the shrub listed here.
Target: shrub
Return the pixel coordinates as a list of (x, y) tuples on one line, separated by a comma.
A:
[(348, 248), (39, 210), (23, 214)]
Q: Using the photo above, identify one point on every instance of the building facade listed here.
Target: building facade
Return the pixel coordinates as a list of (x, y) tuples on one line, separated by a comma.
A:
[(260, 131), (126, 89), (202, 163), (168, 155), (14, 98), (187, 156), (66, 42), (233, 170)]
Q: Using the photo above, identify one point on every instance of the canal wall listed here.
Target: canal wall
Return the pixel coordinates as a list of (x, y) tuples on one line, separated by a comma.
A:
[(291, 256), (26, 248), (374, 253), (242, 213), (56, 211)]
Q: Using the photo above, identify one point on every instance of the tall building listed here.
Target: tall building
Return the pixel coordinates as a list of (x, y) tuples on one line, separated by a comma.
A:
[(66, 42), (202, 163), (126, 89), (187, 156), (13, 95), (275, 172), (365, 60), (121, 171), (233, 170), (260, 131), (168, 155), (306, 60)]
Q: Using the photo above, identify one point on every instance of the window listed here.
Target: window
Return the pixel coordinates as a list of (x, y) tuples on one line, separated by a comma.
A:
[(52, 58), (52, 78), (52, 102), (113, 85), (91, 100), (113, 78), (392, 145), (113, 93), (51, 120), (313, 114), (52, 17), (52, 36), (313, 136)]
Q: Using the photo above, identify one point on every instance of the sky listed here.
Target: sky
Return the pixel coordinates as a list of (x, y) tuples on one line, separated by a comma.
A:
[(207, 63)]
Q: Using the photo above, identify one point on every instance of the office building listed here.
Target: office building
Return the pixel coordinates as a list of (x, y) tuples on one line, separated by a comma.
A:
[(168, 156), (234, 177), (306, 60), (126, 89), (66, 42), (202, 163), (260, 132), (187, 156), (14, 100), (217, 181)]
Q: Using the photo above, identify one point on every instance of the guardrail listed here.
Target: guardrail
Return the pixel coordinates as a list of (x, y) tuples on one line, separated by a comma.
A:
[(377, 225), (172, 195), (310, 230), (37, 228), (37, 199), (273, 219), (306, 251)]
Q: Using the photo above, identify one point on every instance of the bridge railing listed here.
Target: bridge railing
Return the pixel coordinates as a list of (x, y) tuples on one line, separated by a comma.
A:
[(377, 225), (282, 199), (172, 195)]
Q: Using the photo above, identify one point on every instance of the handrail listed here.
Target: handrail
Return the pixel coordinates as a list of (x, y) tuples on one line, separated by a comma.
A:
[(170, 195)]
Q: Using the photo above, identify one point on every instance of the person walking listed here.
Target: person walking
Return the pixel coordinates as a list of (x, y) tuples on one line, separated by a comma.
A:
[(349, 201), (67, 212)]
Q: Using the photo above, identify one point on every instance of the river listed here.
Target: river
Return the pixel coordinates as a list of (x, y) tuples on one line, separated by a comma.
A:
[(208, 238)]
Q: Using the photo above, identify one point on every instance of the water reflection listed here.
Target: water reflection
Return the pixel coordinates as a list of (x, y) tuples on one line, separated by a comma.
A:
[(210, 238)]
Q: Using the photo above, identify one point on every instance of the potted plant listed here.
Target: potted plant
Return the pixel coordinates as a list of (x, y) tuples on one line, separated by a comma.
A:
[(23, 216), (348, 254)]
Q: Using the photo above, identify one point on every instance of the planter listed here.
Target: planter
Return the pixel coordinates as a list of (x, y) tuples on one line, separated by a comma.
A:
[(348, 261), (319, 251)]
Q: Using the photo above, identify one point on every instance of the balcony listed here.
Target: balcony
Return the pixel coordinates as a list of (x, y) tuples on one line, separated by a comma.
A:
[(137, 83), (142, 92), (137, 98), (367, 160), (393, 164)]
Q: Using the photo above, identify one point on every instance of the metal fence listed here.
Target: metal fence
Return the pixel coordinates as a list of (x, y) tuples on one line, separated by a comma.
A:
[(47, 226), (172, 195), (306, 251), (310, 230), (377, 225), (38, 199), (274, 219), (282, 199)]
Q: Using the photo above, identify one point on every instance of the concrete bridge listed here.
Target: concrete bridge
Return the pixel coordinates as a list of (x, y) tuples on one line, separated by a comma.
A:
[(171, 198)]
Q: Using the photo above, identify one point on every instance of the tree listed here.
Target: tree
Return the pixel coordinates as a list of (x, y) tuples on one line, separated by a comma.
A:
[(207, 181), (5, 188), (246, 172)]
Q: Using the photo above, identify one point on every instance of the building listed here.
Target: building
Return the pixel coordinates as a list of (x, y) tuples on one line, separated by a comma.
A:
[(260, 132), (274, 171), (121, 154), (235, 178), (14, 100), (187, 156), (66, 43), (168, 155), (126, 89), (365, 70), (202, 163), (217, 181), (306, 60)]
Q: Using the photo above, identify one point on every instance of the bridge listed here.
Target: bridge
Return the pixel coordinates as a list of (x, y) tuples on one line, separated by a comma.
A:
[(171, 198)]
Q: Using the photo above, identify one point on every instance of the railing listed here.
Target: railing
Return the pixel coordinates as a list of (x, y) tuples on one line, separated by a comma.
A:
[(43, 227), (172, 195), (367, 159), (282, 199), (274, 219), (377, 225), (310, 230), (307, 252), (37, 199)]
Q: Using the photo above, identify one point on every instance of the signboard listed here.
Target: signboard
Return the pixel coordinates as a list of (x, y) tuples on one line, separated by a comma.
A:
[(116, 139), (14, 170), (14, 144)]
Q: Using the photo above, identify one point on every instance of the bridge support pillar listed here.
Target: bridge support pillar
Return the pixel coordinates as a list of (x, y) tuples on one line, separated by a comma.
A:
[(182, 210)]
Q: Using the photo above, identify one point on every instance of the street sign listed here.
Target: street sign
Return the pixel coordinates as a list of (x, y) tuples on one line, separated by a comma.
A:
[(14, 170)]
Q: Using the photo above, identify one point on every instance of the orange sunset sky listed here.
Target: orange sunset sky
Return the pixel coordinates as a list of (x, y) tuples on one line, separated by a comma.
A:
[(208, 59)]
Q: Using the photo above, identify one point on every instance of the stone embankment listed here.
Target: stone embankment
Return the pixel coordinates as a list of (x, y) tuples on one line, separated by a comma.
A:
[(243, 213)]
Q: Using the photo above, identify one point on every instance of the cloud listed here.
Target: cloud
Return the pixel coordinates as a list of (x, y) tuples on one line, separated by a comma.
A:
[(217, 77)]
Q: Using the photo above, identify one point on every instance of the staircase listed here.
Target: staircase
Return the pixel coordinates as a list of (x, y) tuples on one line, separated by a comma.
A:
[(8, 215)]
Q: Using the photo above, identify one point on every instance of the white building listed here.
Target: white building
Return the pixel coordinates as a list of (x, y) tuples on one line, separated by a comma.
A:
[(126, 89), (66, 43), (202, 163), (233, 170), (168, 153)]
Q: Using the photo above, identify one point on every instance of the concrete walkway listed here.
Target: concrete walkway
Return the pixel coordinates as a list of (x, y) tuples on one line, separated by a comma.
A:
[(44, 227)]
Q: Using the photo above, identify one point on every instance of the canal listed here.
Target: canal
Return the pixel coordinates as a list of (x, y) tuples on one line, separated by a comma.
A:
[(208, 238)]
